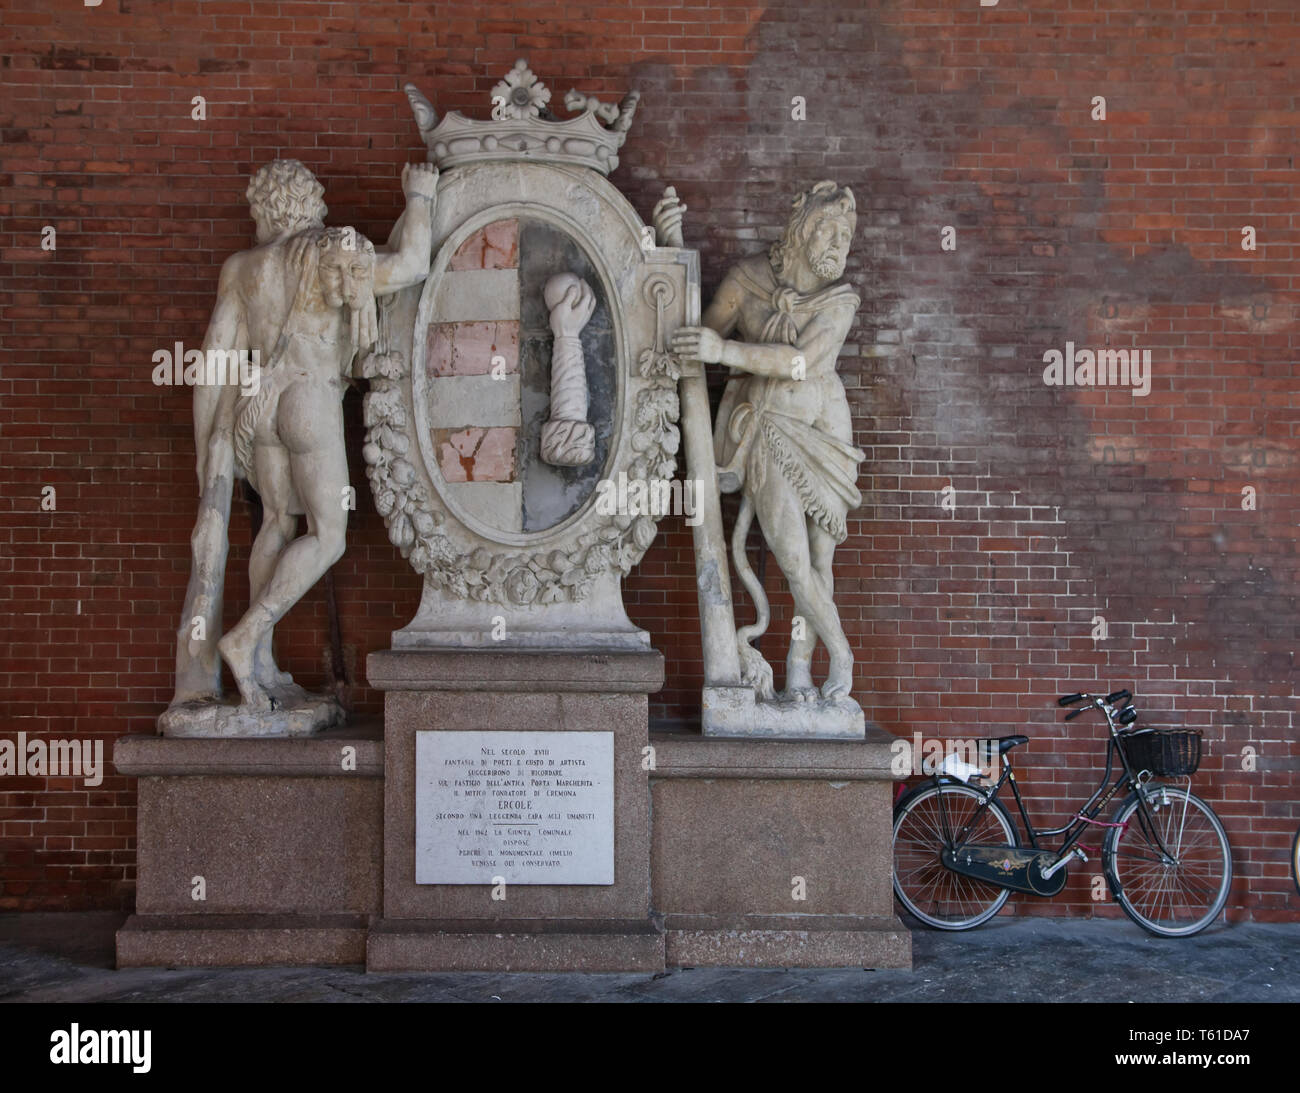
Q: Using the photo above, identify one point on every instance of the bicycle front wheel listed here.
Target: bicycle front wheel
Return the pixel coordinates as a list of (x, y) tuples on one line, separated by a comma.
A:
[(1178, 891), (1295, 861), (924, 823)]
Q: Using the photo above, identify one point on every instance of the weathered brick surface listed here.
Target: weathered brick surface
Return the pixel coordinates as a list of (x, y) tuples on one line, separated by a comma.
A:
[(1067, 503)]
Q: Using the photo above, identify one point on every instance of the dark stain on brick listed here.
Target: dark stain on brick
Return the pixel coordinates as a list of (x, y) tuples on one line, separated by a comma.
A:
[(208, 65), (75, 59), (146, 64)]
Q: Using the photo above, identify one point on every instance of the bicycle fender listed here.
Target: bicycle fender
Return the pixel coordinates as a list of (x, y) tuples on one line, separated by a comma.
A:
[(930, 783), (1108, 849)]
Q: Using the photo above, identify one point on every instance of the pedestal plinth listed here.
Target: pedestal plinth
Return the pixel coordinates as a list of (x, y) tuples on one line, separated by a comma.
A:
[(723, 852), (254, 851), (489, 814), (771, 853)]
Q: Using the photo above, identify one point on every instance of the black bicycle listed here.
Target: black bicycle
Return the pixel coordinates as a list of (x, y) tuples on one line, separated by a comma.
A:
[(1165, 855)]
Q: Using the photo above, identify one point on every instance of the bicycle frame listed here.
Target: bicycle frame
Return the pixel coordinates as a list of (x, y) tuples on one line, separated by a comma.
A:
[(1084, 816)]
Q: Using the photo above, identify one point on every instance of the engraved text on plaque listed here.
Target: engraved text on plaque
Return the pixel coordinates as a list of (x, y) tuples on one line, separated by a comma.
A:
[(528, 807)]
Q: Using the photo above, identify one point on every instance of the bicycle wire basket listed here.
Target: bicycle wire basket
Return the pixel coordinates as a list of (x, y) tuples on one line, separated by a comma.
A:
[(1170, 753)]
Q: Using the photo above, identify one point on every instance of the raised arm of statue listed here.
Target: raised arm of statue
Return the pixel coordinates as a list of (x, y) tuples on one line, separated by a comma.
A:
[(404, 260)]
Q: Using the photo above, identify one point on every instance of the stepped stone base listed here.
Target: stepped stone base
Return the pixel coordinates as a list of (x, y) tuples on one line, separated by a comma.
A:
[(755, 853)]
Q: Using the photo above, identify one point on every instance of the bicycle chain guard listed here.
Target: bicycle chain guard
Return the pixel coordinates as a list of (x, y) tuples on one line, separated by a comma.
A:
[(1010, 867)]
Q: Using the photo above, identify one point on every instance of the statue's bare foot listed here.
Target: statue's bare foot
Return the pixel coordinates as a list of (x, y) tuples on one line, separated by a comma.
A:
[(840, 680), (800, 694), (269, 676), (287, 694), (239, 656)]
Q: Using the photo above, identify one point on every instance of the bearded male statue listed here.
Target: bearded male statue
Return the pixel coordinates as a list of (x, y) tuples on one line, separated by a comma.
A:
[(784, 433), (302, 302)]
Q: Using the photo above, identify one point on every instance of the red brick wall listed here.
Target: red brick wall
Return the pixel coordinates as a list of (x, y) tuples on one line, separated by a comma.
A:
[(1124, 232)]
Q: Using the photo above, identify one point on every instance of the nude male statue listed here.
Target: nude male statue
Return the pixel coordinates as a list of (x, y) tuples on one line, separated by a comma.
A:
[(304, 300), (784, 433)]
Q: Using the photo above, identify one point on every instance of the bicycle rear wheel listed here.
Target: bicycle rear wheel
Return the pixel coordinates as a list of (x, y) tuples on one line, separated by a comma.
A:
[(1178, 894), (924, 885)]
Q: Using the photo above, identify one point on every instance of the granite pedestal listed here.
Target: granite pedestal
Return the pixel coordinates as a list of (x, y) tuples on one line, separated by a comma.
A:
[(758, 853), (526, 927), (255, 851), (775, 853)]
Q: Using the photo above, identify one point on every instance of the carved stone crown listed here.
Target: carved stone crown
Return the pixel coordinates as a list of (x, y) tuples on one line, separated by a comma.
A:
[(523, 128)]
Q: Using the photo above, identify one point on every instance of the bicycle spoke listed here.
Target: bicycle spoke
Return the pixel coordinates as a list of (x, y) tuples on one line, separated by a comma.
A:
[(1182, 891), (929, 889)]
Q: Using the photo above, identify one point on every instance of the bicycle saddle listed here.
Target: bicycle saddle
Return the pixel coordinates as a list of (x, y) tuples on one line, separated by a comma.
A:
[(1006, 743)]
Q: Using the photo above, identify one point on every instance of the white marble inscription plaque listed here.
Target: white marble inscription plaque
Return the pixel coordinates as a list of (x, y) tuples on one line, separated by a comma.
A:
[(528, 807)]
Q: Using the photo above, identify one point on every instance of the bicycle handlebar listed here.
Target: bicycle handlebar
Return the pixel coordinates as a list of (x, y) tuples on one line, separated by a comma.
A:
[(1110, 699), (1120, 696)]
